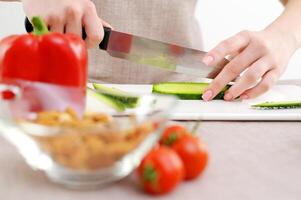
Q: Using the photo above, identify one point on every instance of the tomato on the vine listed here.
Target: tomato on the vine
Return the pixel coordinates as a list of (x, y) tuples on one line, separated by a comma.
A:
[(172, 133), (161, 171), (193, 152)]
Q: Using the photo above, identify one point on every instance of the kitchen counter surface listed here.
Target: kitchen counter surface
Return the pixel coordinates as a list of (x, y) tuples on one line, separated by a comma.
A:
[(248, 160)]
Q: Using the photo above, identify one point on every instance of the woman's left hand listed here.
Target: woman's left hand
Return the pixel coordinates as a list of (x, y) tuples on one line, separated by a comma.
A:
[(262, 56)]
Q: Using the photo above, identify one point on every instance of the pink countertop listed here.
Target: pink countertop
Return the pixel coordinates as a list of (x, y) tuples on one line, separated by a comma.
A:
[(248, 160)]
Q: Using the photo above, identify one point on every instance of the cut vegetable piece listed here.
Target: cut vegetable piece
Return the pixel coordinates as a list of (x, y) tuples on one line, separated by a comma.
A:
[(185, 90), (113, 103), (129, 100), (278, 105)]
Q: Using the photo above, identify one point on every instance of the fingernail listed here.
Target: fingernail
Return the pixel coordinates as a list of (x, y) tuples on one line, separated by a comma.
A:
[(244, 96), (208, 59), (207, 95), (228, 97)]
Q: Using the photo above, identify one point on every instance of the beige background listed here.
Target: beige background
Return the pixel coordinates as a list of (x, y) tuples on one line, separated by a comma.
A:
[(219, 19)]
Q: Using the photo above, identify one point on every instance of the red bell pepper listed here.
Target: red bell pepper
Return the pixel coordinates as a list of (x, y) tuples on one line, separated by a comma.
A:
[(42, 56)]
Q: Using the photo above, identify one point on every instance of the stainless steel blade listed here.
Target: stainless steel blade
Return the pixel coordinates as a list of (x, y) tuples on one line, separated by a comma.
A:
[(162, 55)]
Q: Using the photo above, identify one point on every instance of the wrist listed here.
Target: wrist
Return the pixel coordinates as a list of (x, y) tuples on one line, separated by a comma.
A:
[(288, 23), (284, 32)]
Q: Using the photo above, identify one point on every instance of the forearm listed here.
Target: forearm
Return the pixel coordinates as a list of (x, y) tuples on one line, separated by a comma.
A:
[(288, 22)]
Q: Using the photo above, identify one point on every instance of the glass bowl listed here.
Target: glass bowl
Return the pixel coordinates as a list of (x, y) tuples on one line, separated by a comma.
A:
[(87, 156)]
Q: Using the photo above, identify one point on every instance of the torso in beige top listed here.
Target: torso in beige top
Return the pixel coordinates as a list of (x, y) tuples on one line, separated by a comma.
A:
[(170, 21)]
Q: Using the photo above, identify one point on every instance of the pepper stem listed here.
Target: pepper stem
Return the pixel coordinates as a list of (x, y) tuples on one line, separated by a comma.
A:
[(39, 26)]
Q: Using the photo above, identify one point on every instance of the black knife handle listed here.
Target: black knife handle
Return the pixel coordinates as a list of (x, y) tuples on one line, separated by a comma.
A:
[(28, 25), (105, 41), (103, 44)]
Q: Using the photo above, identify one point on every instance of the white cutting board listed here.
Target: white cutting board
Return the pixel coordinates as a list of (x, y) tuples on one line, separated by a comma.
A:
[(222, 110)]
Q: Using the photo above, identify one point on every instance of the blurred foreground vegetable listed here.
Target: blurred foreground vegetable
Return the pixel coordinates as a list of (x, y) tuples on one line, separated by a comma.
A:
[(44, 57), (177, 143)]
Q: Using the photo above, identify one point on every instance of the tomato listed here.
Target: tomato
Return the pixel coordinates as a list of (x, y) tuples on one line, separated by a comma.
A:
[(172, 133), (161, 171), (193, 152)]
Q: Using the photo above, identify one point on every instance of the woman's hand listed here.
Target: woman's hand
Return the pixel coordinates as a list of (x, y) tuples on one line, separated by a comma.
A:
[(262, 56), (68, 16)]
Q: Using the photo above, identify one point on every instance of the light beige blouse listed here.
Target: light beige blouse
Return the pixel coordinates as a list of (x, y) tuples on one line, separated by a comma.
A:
[(165, 20)]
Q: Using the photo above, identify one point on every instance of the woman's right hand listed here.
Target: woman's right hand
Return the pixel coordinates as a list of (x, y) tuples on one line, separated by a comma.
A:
[(68, 16)]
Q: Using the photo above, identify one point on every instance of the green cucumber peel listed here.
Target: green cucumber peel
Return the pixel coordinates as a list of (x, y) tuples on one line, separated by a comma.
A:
[(186, 90), (129, 100), (277, 105), (113, 103)]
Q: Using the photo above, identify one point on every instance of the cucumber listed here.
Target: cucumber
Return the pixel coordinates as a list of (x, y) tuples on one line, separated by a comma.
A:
[(185, 90), (277, 105), (115, 104), (129, 100)]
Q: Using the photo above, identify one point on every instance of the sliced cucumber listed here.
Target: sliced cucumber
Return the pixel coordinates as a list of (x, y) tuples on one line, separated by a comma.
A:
[(129, 100), (278, 105), (185, 90), (115, 104)]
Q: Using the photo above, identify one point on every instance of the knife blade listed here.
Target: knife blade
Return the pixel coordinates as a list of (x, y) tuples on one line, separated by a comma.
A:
[(154, 53), (158, 54)]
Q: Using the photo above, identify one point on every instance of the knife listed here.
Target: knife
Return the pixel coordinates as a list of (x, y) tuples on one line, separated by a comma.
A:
[(154, 53)]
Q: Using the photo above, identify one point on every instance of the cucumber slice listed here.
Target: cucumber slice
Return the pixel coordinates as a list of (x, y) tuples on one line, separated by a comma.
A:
[(115, 104), (129, 100), (185, 90), (278, 105)]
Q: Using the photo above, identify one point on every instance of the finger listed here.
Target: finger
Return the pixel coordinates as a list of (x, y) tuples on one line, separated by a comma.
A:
[(106, 24), (56, 24), (93, 27), (220, 66), (227, 47), (268, 80), (232, 55), (231, 71), (249, 78), (74, 23)]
